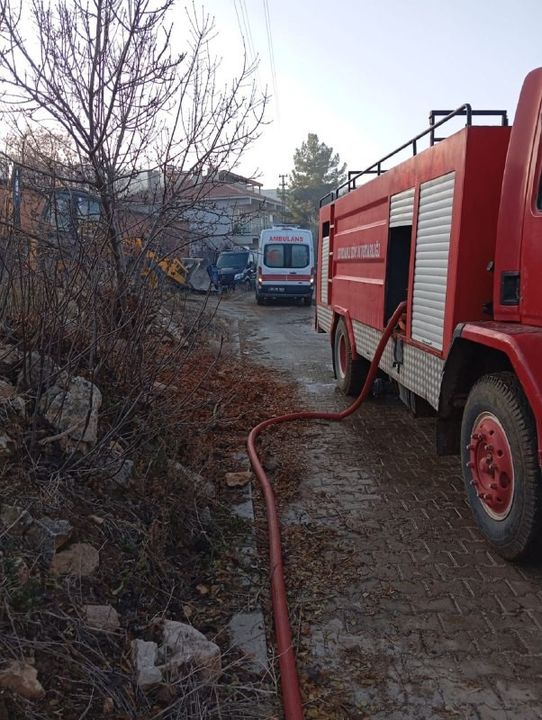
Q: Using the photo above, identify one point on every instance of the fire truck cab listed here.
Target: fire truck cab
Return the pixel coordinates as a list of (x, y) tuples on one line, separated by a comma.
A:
[(456, 232)]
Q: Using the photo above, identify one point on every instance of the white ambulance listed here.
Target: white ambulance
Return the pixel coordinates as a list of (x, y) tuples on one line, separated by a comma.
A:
[(285, 264)]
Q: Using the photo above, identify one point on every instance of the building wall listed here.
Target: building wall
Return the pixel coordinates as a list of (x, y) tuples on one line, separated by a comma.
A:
[(226, 223)]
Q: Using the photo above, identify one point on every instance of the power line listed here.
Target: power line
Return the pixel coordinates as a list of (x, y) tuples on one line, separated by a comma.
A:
[(271, 53), (242, 30), (243, 23), (246, 21)]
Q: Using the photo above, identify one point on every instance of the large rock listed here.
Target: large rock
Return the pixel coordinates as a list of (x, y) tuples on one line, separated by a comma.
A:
[(184, 647), (80, 559), (74, 412), (102, 617), (144, 656), (22, 679), (37, 371)]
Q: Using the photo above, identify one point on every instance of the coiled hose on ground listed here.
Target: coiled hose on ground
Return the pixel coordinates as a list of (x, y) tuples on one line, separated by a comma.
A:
[(291, 694)]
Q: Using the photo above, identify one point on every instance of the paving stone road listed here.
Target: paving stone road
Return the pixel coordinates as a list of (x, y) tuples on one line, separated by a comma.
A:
[(431, 624)]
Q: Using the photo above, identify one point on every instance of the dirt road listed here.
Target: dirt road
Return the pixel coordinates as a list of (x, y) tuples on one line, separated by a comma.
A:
[(399, 608)]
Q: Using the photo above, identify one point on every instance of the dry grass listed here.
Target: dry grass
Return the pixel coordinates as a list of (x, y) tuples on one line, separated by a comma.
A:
[(160, 539)]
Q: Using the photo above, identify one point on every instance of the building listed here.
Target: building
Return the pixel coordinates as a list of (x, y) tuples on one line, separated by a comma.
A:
[(203, 214), (232, 213)]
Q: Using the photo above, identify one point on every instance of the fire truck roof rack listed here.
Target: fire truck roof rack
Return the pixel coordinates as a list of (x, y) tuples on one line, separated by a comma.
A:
[(445, 115)]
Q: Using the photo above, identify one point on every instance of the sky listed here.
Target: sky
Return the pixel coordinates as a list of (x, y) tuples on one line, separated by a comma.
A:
[(364, 74)]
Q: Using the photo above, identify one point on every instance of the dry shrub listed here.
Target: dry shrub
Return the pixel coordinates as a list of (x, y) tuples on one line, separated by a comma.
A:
[(180, 411)]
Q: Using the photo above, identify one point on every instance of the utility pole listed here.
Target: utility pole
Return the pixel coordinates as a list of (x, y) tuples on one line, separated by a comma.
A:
[(283, 195)]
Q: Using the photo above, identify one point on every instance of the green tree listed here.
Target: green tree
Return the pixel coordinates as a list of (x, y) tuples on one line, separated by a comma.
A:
[(317, 170)]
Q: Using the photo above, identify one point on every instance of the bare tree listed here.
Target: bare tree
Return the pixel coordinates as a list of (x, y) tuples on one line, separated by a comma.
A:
[(111, 125), (103, 72), (39, 152), (106, 109)]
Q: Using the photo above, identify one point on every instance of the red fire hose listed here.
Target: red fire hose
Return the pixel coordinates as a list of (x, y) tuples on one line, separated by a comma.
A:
[(291, 695)]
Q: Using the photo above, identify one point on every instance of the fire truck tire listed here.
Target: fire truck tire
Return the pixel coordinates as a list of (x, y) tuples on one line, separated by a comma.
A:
[(500, 465), (350, 372)]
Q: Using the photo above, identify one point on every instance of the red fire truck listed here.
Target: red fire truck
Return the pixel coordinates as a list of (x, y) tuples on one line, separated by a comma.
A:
[(456, 232)]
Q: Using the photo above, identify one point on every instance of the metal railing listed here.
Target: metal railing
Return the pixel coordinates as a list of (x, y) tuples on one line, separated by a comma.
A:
[(376, 168)]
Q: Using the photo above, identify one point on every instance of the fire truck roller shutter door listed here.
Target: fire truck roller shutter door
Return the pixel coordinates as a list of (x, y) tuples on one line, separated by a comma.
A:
[(324, 270), (398, 255), (431, 268), (402, 208)]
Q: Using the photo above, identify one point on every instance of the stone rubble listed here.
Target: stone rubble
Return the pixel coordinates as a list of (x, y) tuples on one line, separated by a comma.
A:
[(238, 479), (102, 617), (74, 411), (22, 679), (49, 535), (80, 560), (144, 656), (185, 647)]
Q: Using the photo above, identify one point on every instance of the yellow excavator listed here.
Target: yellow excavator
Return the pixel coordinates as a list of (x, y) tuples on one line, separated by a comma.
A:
[(156, 267), (42, 213)]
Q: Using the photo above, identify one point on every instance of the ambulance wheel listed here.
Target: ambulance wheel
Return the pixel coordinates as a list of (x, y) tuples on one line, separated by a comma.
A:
[(259, 300), (350, 372), (500, 465)]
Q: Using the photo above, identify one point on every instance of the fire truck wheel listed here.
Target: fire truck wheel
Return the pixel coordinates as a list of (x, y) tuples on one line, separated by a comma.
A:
[(500, 465), (351, 373)]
